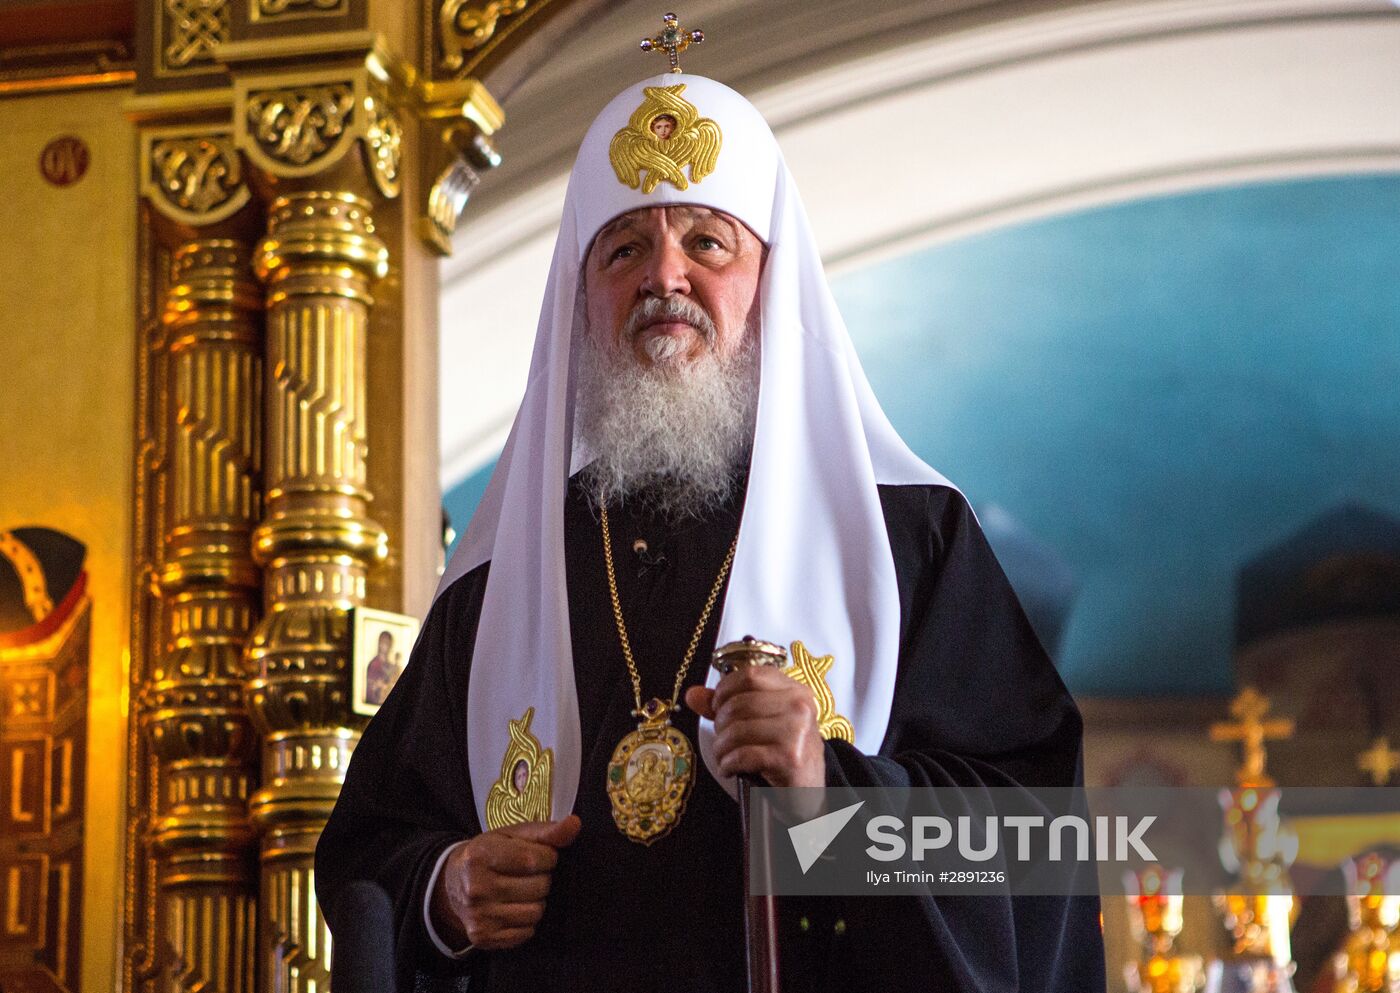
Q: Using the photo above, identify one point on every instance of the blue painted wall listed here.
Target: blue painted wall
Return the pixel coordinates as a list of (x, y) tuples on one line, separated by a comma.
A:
[(1157, 391), (461, 500)]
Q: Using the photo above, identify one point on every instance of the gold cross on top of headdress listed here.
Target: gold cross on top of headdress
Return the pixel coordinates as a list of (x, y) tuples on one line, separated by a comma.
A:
[(672, 40)]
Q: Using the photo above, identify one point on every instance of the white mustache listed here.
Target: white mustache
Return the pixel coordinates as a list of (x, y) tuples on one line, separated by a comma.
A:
[(669, 308)]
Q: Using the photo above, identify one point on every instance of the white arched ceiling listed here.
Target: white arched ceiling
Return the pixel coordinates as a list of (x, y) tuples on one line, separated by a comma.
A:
[(965, 131)]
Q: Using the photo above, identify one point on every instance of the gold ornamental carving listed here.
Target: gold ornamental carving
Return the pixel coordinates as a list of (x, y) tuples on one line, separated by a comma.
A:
[(141, 944), (465, 26), (254, 534), (189, 30), (383, 144), (455, 149), (316, 541), (194, 179), (460, 155), (267, 10), (447, 198), (301, 126), (305, 127)]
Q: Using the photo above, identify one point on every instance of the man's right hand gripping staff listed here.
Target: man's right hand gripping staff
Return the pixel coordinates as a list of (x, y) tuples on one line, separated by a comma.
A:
[(491, 890)]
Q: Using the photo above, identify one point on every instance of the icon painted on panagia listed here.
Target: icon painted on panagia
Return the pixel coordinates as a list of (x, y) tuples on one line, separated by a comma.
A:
[(648, 772), (380, 650), (649, 777), (810, 670), (523, 793), (664, 136)]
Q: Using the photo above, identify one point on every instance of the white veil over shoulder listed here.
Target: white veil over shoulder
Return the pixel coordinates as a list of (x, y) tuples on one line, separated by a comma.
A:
[(813, 562)]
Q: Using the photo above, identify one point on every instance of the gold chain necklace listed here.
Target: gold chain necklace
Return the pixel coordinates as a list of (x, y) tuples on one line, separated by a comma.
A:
[(652, 767)]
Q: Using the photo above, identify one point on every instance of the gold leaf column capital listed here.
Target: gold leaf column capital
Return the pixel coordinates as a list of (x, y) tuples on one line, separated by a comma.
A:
[(192, 176), (303, 125)]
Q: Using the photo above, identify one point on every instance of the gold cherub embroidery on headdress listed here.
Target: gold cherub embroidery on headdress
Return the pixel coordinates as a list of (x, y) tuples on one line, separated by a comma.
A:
[(523, 792), (664, 135), (810, 671)]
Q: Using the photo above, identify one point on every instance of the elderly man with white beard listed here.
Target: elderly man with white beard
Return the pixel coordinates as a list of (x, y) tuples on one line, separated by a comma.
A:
[(697, 457), (668, 379)]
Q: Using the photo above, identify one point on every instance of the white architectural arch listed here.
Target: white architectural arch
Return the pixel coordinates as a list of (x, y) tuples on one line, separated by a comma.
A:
[(952, 132)]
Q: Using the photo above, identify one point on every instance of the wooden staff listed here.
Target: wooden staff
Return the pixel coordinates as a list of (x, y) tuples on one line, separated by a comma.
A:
[(760, 909)]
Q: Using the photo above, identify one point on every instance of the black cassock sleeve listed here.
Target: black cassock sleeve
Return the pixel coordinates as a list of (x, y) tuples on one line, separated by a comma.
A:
[(407, 794), (977, 702)]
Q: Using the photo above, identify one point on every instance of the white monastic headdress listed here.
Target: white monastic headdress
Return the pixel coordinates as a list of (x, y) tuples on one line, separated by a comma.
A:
[(813, 560)]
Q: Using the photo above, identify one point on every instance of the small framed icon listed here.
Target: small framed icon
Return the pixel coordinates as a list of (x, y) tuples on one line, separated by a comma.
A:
[(379, 652)]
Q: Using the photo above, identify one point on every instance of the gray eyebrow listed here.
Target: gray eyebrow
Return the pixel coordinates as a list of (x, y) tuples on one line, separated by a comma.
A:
[(690, 210)]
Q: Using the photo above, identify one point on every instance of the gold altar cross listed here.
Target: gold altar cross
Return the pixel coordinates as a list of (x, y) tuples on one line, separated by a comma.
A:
[(1380, 760), (672, 40), (1252, 730)]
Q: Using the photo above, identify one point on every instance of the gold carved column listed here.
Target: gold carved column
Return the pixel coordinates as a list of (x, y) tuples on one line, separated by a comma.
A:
[(192, 706), (325, 145), (317, 542), (302, 166), (190, 923)]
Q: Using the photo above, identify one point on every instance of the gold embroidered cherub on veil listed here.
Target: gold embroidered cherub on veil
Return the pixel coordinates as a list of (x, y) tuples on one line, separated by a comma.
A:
[(523, 791), (810, 670)]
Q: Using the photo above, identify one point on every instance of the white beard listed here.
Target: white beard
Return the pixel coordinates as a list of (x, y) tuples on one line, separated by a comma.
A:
[(674, 435)]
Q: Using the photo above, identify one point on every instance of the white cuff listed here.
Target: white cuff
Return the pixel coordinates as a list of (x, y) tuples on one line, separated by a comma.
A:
[(428, 904)]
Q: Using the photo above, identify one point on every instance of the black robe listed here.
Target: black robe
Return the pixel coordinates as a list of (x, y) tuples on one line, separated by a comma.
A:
[(976, 701)]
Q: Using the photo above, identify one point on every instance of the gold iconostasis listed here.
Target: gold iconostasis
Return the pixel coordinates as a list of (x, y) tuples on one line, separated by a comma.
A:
[(220, 237)]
